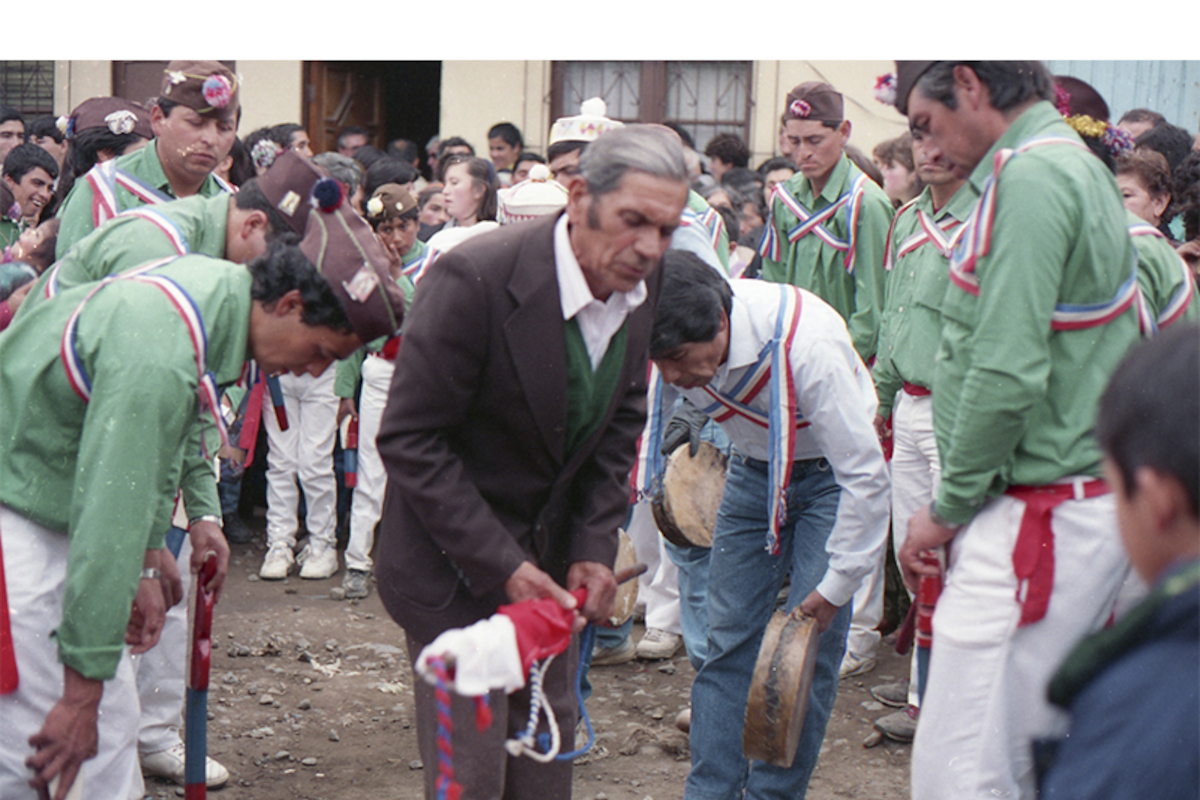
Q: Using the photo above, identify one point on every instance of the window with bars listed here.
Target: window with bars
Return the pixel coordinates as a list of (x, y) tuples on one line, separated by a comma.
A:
[(28, 86), (703, 97)]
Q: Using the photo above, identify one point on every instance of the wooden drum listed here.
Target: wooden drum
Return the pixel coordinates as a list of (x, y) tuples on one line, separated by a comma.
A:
[(627, 592), (685, 510), (779, 690)]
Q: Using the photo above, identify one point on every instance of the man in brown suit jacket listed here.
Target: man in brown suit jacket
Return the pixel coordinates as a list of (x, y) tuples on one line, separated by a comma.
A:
[(508, 447)]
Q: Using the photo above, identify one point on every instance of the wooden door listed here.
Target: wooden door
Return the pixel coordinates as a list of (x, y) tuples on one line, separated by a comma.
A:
[(341, 93)]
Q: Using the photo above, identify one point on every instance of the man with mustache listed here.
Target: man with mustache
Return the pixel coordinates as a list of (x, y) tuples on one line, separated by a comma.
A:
[(194, 122)]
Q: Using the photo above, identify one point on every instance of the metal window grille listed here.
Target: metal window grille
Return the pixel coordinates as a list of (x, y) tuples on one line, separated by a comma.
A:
[(28, 86)]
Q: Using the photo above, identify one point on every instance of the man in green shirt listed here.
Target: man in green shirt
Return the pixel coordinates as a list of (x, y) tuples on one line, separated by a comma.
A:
[(917, 268), (103, 400), (829, 222), (1039, 312), (29, 174), (194, 122)]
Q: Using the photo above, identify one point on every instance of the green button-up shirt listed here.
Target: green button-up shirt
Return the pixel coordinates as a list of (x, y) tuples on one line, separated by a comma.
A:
[(911, 323), (1163, 277), (812, 264), (104, 472), (1014, 401), (76, 212)]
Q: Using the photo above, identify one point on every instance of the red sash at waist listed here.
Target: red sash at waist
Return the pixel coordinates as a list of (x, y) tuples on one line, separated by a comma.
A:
[(916, 390), (1033, 554), (8, 659)]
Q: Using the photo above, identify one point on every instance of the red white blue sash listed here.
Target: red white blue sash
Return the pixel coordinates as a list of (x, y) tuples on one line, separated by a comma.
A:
[(850, 204), (416, 269), (187, 310), (975, 240), (710, 220), (649, 465), (782, 419), (939, 234), (104, 178), (1180, 300)]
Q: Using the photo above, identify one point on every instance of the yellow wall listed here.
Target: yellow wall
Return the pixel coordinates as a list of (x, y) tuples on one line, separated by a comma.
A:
[(272, 92), (76, 81), (478, 94)]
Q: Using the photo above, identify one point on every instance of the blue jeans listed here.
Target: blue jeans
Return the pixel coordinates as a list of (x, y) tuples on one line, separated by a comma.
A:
[(744, 582)]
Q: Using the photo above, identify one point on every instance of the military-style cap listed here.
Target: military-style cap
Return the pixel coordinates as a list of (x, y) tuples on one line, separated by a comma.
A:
[(118, 115), (907, 75), (536, 197), (814, 100), (288, 184), (207, 87), (590, 123), (389, 201), (344, 249)]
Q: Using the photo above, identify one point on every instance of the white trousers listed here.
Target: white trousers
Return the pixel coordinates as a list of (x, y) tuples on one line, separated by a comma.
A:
[(916, 474), (658, 586), (986, 695), (367, 502), (305, 452), (161, 671), (35, 569)]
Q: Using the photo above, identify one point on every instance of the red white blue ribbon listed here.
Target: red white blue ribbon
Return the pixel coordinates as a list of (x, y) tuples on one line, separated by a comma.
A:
[(936, 233), (773, 370), (183, 304), (1180, 300), (164, 223), (850, 203), (104, 178), (709, 219), (416, 269)]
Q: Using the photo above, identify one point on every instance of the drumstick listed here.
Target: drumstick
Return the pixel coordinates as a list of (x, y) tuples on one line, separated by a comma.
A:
[(629, 573)]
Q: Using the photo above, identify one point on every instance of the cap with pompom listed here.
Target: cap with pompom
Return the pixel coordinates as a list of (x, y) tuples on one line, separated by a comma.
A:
[(586, 127), (114, 114), (289, 184), (345, 251), (206, 87), (538, 196)]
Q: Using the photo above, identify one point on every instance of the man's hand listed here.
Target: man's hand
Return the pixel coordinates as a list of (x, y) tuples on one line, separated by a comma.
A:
[(601, 587), (883, 427), (924, 535), (152, 600), (530, 583), (817, 606), (345, 409), (69, 735), (207, 538), (684, 427)]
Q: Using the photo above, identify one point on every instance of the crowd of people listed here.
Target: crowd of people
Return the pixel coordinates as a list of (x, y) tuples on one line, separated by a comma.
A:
[(468, 372)]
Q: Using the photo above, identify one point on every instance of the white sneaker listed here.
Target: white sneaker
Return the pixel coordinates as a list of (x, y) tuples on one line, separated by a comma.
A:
[(658, 644), (277, 562), (854, 664), (169, 764), (318, 561)]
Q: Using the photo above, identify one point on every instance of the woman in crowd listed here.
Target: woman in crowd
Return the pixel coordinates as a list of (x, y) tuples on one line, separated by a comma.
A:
[(504, 147), (470, 197), (1145, 183)]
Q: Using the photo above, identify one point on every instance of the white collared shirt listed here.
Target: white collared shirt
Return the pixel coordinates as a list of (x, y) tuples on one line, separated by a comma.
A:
[(599, 320), (835, 395)]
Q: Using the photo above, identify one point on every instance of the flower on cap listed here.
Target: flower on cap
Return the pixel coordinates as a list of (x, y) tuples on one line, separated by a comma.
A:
[(121, 122), (1118, 141), (327, 195), (375, 206), (800, 108), (176, 77), (69, 130), (264, 153), (1062, 100), (885, 89), (217, 90), (62, 123)]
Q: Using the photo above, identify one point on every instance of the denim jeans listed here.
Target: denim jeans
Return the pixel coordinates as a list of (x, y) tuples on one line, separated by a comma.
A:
[(744, 580)]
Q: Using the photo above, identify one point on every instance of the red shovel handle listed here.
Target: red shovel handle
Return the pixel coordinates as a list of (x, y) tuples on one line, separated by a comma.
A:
[(201, 660)]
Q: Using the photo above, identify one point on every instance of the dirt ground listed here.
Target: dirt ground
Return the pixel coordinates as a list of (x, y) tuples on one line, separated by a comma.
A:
[(311, 698)]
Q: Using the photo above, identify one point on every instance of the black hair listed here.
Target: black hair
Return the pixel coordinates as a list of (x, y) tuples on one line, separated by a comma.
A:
[(25, 157), (863, 163), (281, 134), (87, 145), (405, 150), (8, 113), (1143, 115), (1185, 195), (730, 148), (42, 256), (778, 162), (426, 194), (684, 135), (508, 132), (732, 217), (250, 197), (529, 155), (367, 155), (242, 169), (387, 170), (1171, 140), (45, 126), (284, 267), (1150, 411), (742, 179), (455, 141), (351, 130), (562, 148), (1010, 83), (690, 303)]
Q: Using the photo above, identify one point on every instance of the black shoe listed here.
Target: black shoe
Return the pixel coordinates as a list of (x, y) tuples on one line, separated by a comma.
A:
[(237, 531)]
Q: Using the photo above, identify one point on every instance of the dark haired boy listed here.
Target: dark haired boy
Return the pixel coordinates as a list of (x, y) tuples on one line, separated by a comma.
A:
[(29, 174), (1132, 690), (12, 130)]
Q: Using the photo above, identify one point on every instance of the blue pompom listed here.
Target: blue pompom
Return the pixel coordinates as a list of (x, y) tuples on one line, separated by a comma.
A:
[(327, 194)]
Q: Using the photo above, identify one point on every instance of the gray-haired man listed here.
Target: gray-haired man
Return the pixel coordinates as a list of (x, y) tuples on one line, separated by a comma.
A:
[(511, 427)]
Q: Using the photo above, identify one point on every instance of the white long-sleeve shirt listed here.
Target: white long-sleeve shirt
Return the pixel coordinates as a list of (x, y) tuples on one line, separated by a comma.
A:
[(836, 397)]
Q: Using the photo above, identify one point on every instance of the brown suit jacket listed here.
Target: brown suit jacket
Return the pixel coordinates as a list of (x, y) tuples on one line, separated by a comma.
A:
[(473, 436)]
